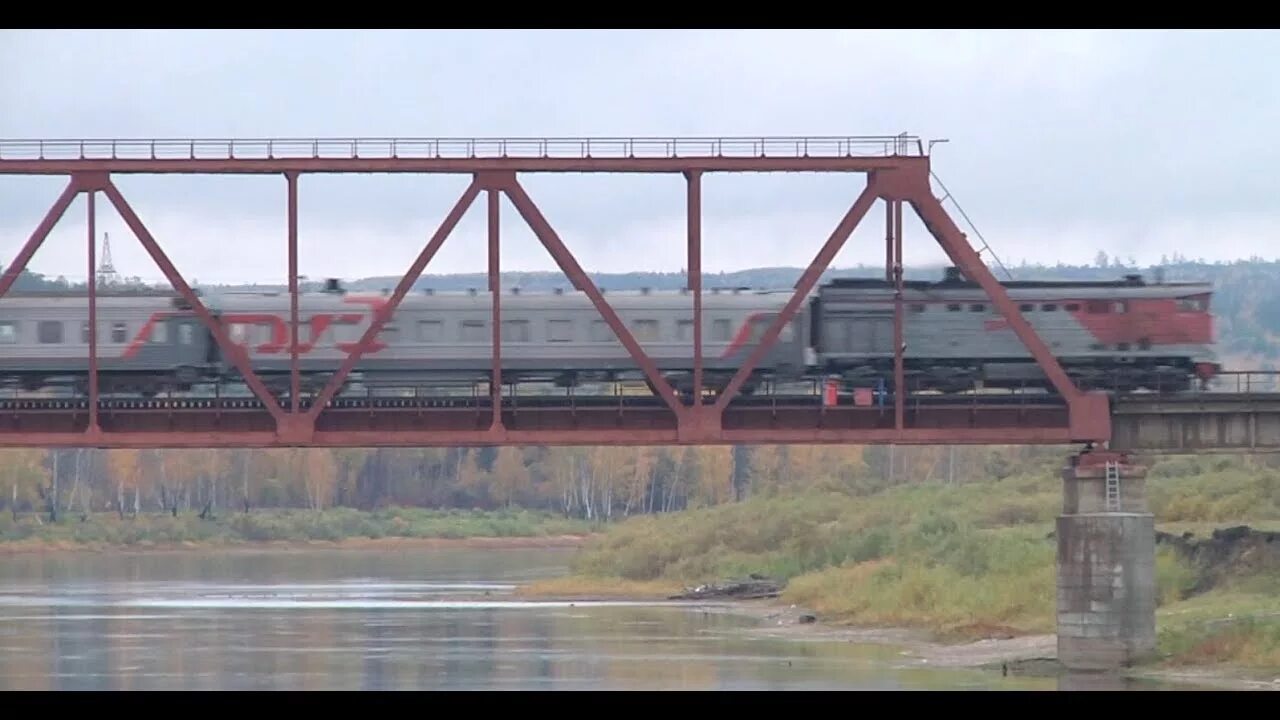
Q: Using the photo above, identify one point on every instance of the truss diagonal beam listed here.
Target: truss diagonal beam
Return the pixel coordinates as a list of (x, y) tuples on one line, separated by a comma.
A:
[(953, 241), (239, 357), (529, 211), (384, 312), (38, 236), (806, 282)]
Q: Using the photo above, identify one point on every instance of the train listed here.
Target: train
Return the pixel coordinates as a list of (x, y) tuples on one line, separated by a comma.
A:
[(1122, 335)]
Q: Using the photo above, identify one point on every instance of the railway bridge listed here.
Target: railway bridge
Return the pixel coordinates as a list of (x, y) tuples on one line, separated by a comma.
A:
[(1106, 536)]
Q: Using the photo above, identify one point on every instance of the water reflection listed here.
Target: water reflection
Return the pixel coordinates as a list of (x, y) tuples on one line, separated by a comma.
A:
[(390, 621)]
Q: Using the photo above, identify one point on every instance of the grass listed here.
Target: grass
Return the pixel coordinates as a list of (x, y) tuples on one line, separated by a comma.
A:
[(265, 525), (963, 561)]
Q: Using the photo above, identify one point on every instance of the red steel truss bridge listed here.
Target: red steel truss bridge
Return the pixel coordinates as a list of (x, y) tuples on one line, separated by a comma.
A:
[(897, 171)]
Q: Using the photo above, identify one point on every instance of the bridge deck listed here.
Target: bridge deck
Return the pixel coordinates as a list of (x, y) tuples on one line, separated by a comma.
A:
[(1208, 422)]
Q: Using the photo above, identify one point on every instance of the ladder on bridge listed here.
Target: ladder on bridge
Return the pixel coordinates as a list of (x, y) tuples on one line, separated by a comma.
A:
[(1113, 486)]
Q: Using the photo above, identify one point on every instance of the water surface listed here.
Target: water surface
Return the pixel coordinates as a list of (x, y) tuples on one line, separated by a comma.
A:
[(393, 620)]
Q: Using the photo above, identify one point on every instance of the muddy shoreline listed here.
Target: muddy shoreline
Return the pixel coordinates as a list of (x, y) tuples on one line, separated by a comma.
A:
[(1026, 655)]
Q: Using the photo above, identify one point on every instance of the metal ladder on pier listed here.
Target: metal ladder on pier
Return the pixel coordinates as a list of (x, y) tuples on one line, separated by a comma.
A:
[(1113, 487)]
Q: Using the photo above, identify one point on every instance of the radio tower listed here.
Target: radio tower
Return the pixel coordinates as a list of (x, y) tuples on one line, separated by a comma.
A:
[(106, 271)]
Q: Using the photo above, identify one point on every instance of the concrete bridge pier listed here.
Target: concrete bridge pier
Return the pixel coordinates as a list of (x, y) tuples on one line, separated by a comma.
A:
[(1106, 564)]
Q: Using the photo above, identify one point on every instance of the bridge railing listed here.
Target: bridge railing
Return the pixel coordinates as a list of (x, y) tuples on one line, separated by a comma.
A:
[(1232, 382), (1244, 382), (458, 148)]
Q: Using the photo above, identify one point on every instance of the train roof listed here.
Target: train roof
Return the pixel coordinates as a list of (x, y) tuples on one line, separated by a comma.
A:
[(952, 280), (675, 299)]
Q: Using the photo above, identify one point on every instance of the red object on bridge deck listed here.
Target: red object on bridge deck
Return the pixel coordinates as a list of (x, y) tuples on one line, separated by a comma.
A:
[(831, 393), (897, 170)]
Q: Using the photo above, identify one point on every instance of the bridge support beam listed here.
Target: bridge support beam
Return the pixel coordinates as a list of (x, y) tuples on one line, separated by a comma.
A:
[(1106, 564)]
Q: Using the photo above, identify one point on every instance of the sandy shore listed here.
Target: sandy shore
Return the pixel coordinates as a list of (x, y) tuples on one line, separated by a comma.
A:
[(39, 547)]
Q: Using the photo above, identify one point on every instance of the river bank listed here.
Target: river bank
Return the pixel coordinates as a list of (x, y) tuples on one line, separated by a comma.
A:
[(354, 544), (1003, 652), (275, 530)]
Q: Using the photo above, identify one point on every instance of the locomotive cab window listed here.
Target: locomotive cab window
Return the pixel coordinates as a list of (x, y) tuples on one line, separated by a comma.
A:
[(160, 332), (8, 332)]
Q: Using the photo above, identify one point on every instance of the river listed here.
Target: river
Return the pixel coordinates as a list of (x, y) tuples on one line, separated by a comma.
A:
[(393, 620)]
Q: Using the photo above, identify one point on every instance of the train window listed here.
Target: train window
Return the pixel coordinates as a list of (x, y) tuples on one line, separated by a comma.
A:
[(1097, 346), (472, 331), (1144, 344), (720, 330), (1190, 305), (645, 330), (8, 333), (1122, 347), (515, 331), (560, 330), (1026, 307), (1098, 307), (186, 333), (239, 333), (1120, 307), (684, 330), (1048, 307), (160, 332), (977, 307), (119, 333), (953, 308), (84, 332), (1071, 307), (49, 332), (430, 331), (600, 331)]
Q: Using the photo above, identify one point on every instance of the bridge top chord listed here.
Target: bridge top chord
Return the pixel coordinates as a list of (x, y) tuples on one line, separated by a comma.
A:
[(581, 148)]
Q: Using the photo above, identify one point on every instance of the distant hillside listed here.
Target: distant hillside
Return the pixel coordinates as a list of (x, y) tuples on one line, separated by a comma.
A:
[(1246, 299)]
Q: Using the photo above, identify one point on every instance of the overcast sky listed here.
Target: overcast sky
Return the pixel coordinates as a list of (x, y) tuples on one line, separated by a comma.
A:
[(1061, 143)]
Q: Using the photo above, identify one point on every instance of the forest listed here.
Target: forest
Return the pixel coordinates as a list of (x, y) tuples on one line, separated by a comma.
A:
[(598, 484)]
